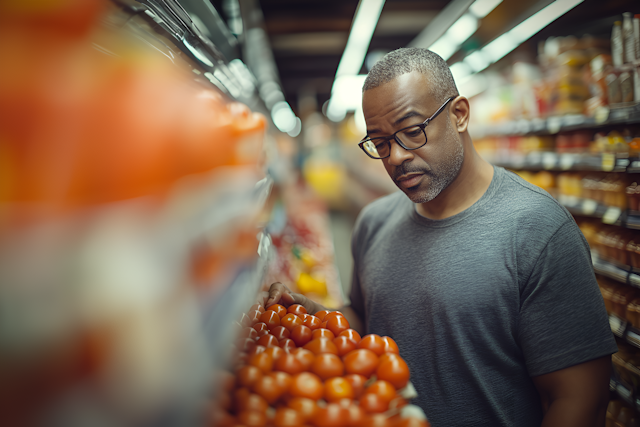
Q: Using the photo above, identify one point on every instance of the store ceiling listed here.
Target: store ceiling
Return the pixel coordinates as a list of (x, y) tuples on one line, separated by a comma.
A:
[(307, 37)]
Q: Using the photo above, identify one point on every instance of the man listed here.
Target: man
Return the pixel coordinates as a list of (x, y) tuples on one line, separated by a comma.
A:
[(484, 281)]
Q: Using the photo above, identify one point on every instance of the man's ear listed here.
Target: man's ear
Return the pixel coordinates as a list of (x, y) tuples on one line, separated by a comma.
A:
[(460, 113)]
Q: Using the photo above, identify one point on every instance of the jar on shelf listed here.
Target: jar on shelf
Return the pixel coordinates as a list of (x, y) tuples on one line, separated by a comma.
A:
[(633, 196), (621, 299), (633, 251), (608, 289), (633, 313)]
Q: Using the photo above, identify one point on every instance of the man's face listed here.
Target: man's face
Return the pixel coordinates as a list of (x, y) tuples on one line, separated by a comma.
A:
[(423, 173)]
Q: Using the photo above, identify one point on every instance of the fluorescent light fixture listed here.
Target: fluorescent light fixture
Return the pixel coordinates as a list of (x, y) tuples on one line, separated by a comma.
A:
[(500, 47), (364, 24), (283, 117), (536, 22), (444, 47), (481, 8), (460, 71), (477, 61), (476, 84), (296, 129), (463, 28), (346, 95), (361, 124)]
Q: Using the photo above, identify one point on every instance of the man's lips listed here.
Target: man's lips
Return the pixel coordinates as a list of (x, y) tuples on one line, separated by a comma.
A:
[(409, 180)]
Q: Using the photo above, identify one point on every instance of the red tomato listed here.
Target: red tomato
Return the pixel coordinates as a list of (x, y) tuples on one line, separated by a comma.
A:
[(247, 375), (274, 352), (283, 380), (305, 407), (327, 366), (248, 332), (257, 307), (247, 344), (344, 345), (320, 315), (271, 319), (262, 361), (398, 402), (311, 322), (351, 334), (280, 332), (247, 401), (297, 309), (301, 335), (268, 341), (268, 388), (361, 361), (382, 388), (287, 345), (331, 315), (375, 420), (287, 417), (357, 384), (254, 316), (279, 309), (260, 326), (305, 356), (355, 415), (245, 320), (411, 422), (390, 345), (373, 403), (323, 325), (256, 350), (321, 345), (336, 389), (332, 415), (394, 370), (372, 342), (252, 418), (307, 385), (322, 333), (389, 356), (337, 324), (290, 321), (290, 364)]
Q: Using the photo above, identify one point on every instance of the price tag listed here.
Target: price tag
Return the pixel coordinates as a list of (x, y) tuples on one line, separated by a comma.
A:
[(548, 160), (601, 115), (633, 338), (566, 161), (611, 215), (589, 206), (608, 161), (554, 124), (617, 325)]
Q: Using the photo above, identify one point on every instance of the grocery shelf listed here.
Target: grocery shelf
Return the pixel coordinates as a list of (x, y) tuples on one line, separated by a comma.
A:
[(622, 391), (552, 161), (622, 115)]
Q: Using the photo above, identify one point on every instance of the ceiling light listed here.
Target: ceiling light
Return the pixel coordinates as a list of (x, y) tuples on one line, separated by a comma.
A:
[(477, 61), (481, 8), (460, 71), (283, 117), (536, 22), (444, 47), (296, 129), (500, 47), (463, 28)]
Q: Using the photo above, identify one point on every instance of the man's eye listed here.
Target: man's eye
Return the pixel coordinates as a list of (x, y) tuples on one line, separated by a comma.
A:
[(413, 133), (380, 144)]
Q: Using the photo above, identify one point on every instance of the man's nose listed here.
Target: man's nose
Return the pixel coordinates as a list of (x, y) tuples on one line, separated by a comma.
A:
[(398, 155)]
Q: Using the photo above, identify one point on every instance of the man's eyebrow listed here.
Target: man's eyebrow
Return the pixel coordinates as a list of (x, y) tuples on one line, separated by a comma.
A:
[(409, 115)]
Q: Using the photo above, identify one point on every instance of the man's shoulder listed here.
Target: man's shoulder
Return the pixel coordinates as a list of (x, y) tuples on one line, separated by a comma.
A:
[(383, 206)]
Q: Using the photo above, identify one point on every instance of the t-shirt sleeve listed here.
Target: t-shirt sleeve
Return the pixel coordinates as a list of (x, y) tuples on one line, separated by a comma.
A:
[(563, 321)]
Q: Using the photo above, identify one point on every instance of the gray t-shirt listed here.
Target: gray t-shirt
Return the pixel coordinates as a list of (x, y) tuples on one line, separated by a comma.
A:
[(481, 301)]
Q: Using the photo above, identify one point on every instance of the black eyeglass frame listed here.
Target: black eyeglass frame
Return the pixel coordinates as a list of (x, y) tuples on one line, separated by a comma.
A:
[(394, 136)]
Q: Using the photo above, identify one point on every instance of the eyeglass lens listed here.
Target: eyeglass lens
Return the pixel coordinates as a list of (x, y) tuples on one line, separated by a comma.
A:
[(412, 138)]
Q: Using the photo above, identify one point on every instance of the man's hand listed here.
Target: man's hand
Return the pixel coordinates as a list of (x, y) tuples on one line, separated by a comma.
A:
[(280, 294)]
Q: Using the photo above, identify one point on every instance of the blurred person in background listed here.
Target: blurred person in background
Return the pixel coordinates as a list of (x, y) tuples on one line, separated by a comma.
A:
[(484, 281)]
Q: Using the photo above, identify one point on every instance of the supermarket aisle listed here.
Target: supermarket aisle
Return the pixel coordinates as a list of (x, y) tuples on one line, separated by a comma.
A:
[(341, 229)]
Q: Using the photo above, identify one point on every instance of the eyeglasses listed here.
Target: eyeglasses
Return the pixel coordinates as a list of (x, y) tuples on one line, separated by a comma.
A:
[(409, 138)]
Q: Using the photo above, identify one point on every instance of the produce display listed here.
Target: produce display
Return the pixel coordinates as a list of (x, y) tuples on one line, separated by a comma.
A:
[(293, 368)]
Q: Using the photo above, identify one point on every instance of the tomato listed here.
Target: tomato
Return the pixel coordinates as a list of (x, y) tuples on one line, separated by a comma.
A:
[(290, 364), (331, 315), (321, 345), (254, 316), (260, 326), (305, 407), (337, 388), (355, 415), (320, 315), (382, 388), (305, 356), (262, 361), (394, 370), (287, 345), (247, 401), (372, 342), (311, 322), (357, 384), (256, 350), (337, 324), (332, 415), (249, 374), (307, 385), (351, 334), (373, 403), (271, 319), (301, 335), (268, 388), (344, 345), (297, 309), (268, 340), (280, 332), (323, 325), (361, 361), (375, 420), (279, 309), (247, 344), (322, 333), (389, 356), (283, 380), (245, 320), (221, 418), (274, 352), (287, 417), (249, 332), (411, 422), (290, 321), (390, 345), (252, 418), (257, 307), (398, 402), (327, 366)]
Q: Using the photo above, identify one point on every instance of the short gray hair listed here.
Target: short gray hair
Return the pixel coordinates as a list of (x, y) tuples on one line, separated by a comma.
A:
[(406, 60)]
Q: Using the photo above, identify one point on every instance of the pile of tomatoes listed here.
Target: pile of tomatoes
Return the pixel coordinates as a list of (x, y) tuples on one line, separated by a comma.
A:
[(294, 369)]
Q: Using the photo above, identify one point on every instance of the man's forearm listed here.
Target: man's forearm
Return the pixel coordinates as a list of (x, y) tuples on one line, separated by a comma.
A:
[(574, 413)]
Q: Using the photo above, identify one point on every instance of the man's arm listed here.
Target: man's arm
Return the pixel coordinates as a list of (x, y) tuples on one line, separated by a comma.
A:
[(576, 396), (280, 294)]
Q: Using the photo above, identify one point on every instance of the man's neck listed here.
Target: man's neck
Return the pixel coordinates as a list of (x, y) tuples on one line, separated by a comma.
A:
[(469, 186)]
